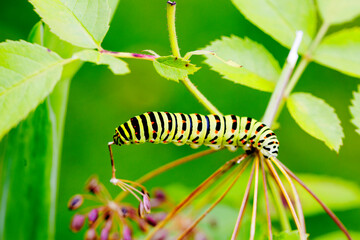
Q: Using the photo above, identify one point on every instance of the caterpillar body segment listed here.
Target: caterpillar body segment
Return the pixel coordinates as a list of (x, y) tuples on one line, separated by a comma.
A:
[(215, 131)]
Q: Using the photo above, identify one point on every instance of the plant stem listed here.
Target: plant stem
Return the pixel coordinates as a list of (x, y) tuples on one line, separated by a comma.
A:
[(222, 170), (166, 167), (199, 96), (268, 217), (256, 188), (171, 9), (129, 55)]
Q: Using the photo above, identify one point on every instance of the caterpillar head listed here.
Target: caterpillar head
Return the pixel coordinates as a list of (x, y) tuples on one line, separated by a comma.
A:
[(116, 137)]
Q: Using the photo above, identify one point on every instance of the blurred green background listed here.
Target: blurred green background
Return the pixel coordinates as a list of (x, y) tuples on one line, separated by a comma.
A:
[(100, 101)]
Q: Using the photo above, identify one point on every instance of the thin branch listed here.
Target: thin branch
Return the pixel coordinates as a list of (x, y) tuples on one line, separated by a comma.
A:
[(165, 168), (192, 226), (267, 205), (171, 9), (256, 188), (128, 55), (223, 169), (295, 193), (288, 200), (243, 205), (326, 209)]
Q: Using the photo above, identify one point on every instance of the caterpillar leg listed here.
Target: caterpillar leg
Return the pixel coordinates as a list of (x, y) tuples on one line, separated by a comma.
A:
[(112, 160)]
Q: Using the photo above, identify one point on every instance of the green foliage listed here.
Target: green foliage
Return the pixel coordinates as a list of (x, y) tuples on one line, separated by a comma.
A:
[(338, 236), (337, 12), (28, 173), (28, 73), (174, 68), (83, 23), (260, 70), (337, 194), (116, 65), (288, 235), (355, 110), (341, 51), (281, 19), (316, 118)]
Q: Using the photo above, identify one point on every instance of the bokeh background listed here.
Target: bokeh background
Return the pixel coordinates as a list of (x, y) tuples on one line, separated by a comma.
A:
[(100, 101)]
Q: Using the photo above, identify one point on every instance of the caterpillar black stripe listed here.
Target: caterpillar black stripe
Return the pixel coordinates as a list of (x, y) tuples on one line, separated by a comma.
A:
[(215, 131)]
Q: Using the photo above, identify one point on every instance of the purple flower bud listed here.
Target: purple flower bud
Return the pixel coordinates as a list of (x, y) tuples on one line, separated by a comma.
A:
[(93, 215), (146, 201), (150, 219), (124, 212), (93, 185), (90, 234), (141, 210), (75, 202), (104, 235), (160, 195), (77, 222), (127, 234)]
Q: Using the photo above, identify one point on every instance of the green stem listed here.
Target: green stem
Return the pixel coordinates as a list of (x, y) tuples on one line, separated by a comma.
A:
[(128, 55), (199, 96), (171, 9)]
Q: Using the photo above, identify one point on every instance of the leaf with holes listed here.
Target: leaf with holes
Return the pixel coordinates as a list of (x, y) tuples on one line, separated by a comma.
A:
[(259, 70), (317, 118), (174, 68)]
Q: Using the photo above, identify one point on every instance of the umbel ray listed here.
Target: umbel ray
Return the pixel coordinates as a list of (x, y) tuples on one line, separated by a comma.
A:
[(215, 131)]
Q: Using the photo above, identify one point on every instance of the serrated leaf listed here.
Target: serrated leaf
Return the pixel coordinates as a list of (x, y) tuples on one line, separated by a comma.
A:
[(336, 12), (338, 194), (260, 70), (282, 18), (355, 110), (173, 68), (113, 6), (341, 51), (339, 236), (28, 73), (83, 23), (116, 65), (317, 118)]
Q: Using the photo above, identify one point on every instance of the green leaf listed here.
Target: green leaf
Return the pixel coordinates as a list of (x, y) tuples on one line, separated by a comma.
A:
[(37, 33), (173, 68), (116, 65), (282, 18), (26, 178), (316, 118), (339, 236), (336, 193), (355, 110), (113, 6), (336, 12), (83, 23), (260, 70), (288, 235), (28, 73), (341, 51)]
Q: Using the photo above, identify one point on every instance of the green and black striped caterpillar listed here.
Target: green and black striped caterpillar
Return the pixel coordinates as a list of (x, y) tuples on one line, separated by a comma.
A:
[(215, 131)]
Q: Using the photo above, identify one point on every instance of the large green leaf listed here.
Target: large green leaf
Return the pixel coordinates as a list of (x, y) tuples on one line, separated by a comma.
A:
[(28, 73), (260, 70), (174, 68), (281, 18), (341, 51), (113, 6), (336, 12), (337, 194), (83, 23), (116, 65), (355, 110), (317, 118), (26, 201)]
